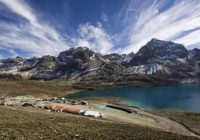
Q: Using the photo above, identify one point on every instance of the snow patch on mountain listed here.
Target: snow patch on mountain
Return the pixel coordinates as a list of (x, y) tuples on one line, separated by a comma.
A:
[(148, 69), (182, 60)]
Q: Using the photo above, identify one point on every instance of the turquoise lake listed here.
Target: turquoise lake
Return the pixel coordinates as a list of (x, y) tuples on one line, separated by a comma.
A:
[(179, 97)]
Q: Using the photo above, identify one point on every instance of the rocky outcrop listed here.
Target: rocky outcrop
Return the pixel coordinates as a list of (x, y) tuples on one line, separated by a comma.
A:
[(159, 50), (156, 61)]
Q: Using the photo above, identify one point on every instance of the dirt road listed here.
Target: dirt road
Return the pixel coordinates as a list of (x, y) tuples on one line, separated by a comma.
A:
[(141, 117)]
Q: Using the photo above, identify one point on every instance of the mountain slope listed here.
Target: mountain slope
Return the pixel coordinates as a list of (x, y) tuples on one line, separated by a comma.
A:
[(157, 60), (159, 50)]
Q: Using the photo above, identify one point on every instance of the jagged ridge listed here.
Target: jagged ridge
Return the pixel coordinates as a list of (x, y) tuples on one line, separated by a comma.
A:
[(158, 59)]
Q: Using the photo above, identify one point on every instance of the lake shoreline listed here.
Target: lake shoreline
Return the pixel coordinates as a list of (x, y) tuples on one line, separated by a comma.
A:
[(168, 90), (113, 112)]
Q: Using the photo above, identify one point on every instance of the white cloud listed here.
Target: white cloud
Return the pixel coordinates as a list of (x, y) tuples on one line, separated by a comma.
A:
[(39, 38), (142, 21), (21, 8), (191, 39), (95, 38), (33, 36), (13, 53), (181, 17), (104, 17)]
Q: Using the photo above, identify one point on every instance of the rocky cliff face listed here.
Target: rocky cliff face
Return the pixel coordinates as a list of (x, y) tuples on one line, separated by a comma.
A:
[(157, 60), (159, 50), (167, 58)]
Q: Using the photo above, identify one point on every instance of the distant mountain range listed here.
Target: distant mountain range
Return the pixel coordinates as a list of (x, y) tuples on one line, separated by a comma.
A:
[(158, 62)]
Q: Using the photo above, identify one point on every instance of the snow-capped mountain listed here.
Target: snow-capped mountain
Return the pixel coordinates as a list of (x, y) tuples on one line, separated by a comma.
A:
[(157, 59)]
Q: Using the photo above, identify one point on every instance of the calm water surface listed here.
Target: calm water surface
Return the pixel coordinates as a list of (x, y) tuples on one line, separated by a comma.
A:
[(179, 97)]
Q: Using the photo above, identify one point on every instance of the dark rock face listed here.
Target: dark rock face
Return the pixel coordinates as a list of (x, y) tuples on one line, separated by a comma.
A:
[(79, 59), (11, 62), (124, 58), (157, 49), (69, 63), (80, 53), (46, 62), (113, 57), (156, 62), (194, 54), (31, 62)]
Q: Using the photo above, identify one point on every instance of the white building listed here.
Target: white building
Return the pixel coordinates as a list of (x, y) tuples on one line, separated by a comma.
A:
[(92, 114)]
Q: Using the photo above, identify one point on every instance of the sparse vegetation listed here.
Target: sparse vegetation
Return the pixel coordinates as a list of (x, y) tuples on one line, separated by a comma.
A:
[(189, 120), (27, 124), (34, 88), (18, 123)]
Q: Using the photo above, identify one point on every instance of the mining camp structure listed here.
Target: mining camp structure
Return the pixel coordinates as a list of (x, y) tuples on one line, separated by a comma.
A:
[(51, 106)]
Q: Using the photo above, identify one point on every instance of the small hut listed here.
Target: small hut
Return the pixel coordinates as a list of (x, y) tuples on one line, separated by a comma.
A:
[(92, 114)]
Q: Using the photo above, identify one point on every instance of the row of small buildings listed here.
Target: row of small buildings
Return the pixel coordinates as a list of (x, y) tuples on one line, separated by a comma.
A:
[(72, 109), (50, 106), (68, 101)]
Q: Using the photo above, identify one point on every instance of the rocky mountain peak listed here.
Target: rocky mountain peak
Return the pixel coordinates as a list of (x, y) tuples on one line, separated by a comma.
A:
[(164, 48), (113, 57), (157, 57), (158, 49), (81, 53), (194, 54)]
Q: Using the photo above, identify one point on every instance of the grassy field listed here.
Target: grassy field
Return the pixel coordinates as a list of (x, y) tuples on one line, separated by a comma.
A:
[(31, 125), (189, 120), (34, 88)]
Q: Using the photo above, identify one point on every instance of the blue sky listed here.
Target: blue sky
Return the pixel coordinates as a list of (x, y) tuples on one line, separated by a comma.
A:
[(46, 27)]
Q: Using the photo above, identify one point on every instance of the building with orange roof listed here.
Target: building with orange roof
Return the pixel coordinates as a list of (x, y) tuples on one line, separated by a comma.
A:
[(73, 110), (58, 108)]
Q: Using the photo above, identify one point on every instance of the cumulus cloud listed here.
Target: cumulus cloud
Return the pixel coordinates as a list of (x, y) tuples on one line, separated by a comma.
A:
[(32, 36), (95, 38), (169, 24)]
